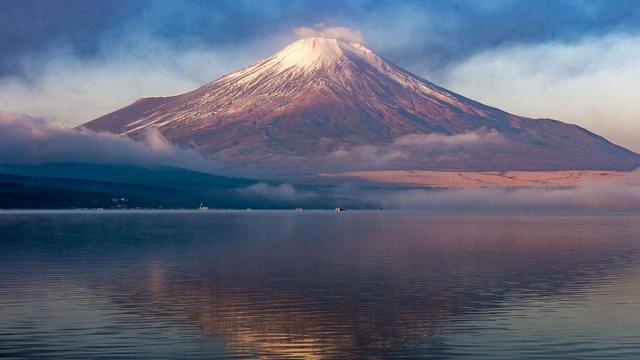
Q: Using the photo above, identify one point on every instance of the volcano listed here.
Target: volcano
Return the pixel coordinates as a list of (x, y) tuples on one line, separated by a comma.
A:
[(329, 105)]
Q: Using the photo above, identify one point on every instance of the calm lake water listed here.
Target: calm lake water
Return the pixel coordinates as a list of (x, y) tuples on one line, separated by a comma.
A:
[(155, 285)]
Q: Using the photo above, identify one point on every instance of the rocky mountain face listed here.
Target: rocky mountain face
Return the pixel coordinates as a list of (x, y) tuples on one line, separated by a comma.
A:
[(323, 105)]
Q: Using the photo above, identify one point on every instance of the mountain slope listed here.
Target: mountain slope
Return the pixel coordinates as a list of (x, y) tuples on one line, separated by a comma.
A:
[(327, 105)]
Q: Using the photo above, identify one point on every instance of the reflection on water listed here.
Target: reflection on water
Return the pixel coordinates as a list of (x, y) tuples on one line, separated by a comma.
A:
[(319, 285)]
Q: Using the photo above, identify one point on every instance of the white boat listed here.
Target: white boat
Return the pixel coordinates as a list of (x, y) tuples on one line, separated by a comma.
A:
[(202, 208)]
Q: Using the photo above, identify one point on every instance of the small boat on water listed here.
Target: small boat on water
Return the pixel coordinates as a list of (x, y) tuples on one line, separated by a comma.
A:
[(299, 209), (203, 208), (338, 209)]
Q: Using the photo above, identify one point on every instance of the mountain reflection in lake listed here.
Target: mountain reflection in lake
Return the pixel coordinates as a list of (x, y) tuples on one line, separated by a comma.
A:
[(319, 285)]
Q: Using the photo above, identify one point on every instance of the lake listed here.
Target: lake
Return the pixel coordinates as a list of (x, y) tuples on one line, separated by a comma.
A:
[(319, 284)]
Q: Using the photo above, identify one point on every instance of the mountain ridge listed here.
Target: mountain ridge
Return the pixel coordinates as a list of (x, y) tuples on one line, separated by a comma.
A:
[(327, 105)]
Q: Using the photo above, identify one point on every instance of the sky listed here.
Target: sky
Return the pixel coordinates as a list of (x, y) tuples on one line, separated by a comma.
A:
[(70, 61)]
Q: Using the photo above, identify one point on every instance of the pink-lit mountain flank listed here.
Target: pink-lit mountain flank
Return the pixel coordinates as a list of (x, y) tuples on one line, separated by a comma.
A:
[(327, 105)]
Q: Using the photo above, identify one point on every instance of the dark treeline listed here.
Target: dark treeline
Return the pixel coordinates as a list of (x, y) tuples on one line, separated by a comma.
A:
[(77, 186)]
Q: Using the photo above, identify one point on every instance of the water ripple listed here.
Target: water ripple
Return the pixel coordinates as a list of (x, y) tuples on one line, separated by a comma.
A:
[(287, 285)]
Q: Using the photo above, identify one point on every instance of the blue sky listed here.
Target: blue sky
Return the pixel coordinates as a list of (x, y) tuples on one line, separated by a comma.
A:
[(73, 60)]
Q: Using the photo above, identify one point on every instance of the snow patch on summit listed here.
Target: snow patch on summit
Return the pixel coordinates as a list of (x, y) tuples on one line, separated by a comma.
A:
[(337, 59), (318, 52)]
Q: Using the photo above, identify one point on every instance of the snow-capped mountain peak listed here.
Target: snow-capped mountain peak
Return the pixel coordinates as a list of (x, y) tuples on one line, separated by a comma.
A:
[(316, 52), (323, 104), (318, 62)]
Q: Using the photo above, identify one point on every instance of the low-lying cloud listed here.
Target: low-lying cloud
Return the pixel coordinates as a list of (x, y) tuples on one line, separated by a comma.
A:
[(619, 194), (27, 140), (281, 192), (416, 145), (613, 195), (430, 141), (368, 155)]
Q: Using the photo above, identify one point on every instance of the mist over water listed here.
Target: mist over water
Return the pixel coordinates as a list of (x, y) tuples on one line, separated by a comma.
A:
[(283, 284)]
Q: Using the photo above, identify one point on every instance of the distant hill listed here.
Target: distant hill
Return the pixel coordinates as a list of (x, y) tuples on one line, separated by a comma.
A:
[(79, 185)]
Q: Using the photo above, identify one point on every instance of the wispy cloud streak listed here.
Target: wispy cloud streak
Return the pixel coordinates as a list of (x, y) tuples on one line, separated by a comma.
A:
[(414, 146), (331, 32)]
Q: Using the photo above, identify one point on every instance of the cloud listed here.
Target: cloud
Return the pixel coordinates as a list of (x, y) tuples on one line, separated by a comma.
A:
[(367, 154), (27, 140), (282, 192), (433, 33), (616, 194), (591, 82), (414, 146), (602, 196), (331, 32), (427, 141)]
